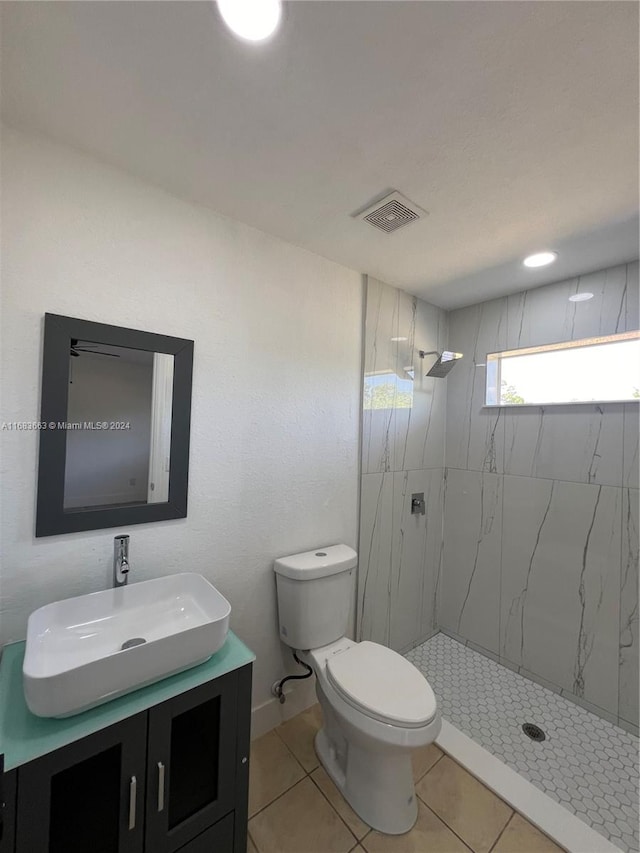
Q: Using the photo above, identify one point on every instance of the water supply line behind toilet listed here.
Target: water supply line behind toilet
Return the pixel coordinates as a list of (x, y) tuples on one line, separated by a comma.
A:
[(278, 686)]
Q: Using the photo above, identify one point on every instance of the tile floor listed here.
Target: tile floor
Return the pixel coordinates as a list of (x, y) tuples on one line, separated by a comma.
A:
[(588, 765), (295, 808)]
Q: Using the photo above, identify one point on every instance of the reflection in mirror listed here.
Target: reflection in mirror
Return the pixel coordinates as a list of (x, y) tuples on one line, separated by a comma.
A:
[(160, 449), (118, 436)]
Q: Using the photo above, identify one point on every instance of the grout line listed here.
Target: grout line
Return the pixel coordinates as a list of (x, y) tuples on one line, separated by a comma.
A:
[(275, 799), (253, 841), (266, 806), (308, 775), (426, 772), (531, 477), (291, 752), (481, 783), (502, 831), (443, 821), (334, 808), (300, 714)]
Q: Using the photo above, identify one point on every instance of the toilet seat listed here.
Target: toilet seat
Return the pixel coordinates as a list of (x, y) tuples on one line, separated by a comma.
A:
[(382, 684)]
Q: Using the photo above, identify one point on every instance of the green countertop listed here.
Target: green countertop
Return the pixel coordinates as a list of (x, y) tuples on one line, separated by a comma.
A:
[(23, 736)]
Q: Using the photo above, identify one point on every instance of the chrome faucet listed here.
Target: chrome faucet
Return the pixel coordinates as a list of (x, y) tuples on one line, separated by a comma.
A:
[(121, 565)]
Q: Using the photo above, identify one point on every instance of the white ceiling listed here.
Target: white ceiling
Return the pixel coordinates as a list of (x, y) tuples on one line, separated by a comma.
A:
[(514, 124)]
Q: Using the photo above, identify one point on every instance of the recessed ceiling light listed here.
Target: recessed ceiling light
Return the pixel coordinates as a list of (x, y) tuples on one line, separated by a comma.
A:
[(581, 297), (253, 20), (399, 339), (540, 259)]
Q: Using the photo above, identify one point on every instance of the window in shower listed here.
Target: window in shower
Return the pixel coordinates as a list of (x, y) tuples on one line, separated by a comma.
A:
[(591, 370), (389, 390)]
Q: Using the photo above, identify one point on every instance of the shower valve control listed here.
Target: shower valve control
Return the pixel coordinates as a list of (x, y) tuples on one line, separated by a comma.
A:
[(417, 503)]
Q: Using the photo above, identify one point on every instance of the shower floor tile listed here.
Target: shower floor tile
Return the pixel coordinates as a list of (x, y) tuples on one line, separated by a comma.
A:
[(587, 764)]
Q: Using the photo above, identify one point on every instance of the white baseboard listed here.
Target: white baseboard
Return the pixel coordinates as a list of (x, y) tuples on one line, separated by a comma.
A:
[(271, 713), (548, 815)]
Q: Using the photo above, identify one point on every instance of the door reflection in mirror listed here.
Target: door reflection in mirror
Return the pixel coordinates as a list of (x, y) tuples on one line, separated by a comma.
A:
[(118, 435), (160, 441)]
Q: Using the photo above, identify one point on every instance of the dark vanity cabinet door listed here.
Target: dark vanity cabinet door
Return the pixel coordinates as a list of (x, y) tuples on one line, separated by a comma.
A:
[(7, 809), (218, 837), (87, 797), (191, 765)]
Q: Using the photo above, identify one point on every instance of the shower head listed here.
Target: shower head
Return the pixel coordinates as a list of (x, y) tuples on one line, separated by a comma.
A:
[(443, 364)]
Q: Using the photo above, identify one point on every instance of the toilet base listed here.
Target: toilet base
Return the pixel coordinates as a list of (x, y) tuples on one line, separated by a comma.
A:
[(377, 785)]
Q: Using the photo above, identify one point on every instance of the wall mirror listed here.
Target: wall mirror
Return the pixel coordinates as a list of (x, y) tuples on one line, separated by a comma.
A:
[(115, 416)]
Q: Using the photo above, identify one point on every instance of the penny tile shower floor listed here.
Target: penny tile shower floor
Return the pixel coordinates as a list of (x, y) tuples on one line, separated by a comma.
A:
[(587, 764)]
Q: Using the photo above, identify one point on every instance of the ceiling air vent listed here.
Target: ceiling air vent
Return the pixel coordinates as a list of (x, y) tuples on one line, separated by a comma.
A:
[(392, 212)]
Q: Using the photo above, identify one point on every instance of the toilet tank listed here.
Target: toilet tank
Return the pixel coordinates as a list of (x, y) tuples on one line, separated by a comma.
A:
[(314, 595)]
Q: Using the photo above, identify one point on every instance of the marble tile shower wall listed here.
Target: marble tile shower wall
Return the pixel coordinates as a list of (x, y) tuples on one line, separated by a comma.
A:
[(540, 556), (403, 444)]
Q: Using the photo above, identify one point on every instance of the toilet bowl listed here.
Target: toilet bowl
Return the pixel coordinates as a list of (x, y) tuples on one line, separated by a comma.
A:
[(376, 705)]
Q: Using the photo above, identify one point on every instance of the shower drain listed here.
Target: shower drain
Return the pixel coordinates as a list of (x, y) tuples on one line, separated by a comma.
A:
[(134, 641), (533, 731)]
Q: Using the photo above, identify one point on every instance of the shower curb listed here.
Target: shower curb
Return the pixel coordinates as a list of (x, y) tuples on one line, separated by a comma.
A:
[(549, 816)]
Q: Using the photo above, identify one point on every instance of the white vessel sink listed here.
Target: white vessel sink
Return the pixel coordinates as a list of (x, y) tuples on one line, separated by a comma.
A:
[(74, 657)]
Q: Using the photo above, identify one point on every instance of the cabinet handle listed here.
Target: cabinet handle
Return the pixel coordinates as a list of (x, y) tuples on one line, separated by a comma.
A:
[(160, 786), (133, 785)]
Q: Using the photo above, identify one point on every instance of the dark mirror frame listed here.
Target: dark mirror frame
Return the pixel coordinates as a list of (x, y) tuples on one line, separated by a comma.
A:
[(51, 517)]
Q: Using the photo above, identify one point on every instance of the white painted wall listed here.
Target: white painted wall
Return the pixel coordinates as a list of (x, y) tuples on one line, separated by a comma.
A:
[(276, 397)]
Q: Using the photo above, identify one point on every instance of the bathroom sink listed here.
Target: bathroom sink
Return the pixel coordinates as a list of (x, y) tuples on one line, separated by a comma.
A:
[(84, 651)]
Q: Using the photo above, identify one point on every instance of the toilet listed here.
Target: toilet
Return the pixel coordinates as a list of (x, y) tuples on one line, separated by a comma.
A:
[(376, 705)]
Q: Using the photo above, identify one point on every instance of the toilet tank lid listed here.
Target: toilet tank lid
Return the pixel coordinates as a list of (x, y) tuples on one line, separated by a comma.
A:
[(318, 563)]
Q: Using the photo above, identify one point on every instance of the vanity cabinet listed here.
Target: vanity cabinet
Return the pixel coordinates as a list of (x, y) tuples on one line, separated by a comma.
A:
[(192, 763), (88, 796), (7, 809), (173, 777)]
